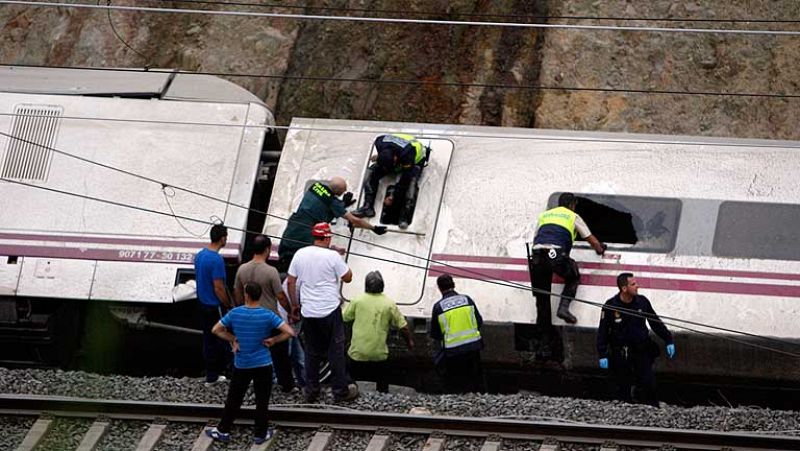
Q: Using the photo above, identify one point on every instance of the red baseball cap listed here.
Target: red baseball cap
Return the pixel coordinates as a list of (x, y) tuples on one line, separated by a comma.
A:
[(322, 230)]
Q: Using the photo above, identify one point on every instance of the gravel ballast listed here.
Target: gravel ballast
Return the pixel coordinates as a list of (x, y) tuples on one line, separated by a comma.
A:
[(521, 406)]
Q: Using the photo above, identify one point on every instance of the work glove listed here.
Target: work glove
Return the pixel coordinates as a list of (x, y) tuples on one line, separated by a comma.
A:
[(604, 246), (348, 199), (671, 351), (379, 230), (351, 227), (604, 363)]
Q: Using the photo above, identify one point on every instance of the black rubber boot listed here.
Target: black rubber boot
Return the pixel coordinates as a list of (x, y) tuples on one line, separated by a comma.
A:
[(563, 312), (365, 211), (409, 204)]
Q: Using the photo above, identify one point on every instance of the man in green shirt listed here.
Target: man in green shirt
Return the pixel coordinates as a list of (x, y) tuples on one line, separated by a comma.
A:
[(372, 315)]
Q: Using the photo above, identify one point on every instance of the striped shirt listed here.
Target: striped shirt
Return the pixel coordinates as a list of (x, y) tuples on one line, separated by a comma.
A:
[(251, 325)]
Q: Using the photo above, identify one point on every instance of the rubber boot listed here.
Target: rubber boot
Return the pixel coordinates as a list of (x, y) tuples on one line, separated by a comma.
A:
[(367, 210), (409, 204), (563, 312)]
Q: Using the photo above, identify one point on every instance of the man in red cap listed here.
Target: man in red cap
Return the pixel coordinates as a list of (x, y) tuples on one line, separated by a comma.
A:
[(314, 275)]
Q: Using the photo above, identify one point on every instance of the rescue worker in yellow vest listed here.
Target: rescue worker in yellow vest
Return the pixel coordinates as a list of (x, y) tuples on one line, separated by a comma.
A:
[(554, 234), (455, 325), (396, 154)]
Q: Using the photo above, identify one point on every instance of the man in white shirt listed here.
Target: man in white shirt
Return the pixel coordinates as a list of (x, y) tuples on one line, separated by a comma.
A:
[(314, 275)]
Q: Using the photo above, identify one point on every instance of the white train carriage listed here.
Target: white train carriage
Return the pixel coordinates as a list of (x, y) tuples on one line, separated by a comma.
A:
[(709, 227), (195, 132)]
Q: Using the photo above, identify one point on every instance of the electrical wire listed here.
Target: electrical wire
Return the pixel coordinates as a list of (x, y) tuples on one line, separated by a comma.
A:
[(435, 134), (479, 276), (491, 281), (470, 14), (425, 83), (121, 39), (385, 20)]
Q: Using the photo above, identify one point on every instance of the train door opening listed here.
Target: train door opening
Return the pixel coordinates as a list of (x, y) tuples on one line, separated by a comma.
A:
[(402, 252)]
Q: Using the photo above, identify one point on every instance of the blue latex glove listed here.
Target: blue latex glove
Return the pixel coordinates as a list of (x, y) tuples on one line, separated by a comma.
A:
[(671, 351), (604, 364)]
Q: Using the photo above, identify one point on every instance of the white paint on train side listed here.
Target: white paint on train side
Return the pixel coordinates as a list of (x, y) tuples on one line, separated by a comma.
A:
[(499, 180), (54, 245)]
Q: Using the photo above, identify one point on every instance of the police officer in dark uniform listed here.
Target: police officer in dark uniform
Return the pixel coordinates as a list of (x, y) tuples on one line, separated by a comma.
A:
[(396, 153), (556, 230), (624, 344), (321, 203)]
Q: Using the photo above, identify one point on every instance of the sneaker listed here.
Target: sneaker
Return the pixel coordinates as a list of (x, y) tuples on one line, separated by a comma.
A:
[(219, 379), (265, 438), (352, 393), (215, 434)]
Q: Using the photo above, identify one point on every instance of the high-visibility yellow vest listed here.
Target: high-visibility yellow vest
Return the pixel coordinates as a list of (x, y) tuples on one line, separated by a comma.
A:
[(458, 322), (419, 149), (560, 216)]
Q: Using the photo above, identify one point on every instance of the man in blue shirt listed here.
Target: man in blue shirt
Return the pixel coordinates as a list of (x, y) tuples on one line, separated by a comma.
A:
[(249, 328), (209, 270)]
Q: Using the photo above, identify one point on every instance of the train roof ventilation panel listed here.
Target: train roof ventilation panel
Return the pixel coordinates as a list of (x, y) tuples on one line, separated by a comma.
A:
[(29, 149)]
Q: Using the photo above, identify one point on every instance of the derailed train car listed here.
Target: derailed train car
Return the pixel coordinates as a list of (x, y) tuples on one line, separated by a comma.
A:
[(80, 226), (707, 225)]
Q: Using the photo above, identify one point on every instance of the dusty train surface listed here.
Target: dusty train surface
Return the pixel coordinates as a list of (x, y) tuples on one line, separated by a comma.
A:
[(79, 224), (707, 226)]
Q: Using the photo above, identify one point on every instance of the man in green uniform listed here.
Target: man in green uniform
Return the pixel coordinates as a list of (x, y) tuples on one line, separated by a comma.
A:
[(373, 314), (321, 203)]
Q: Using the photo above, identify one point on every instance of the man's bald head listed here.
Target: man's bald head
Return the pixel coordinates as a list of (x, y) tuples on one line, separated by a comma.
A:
[(338, 185)]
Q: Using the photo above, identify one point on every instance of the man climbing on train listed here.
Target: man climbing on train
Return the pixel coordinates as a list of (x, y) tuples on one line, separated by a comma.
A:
[(395, 154), (554, 234)]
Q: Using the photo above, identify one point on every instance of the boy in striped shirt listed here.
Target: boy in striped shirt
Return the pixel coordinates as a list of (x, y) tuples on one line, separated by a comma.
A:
[(248, 329)]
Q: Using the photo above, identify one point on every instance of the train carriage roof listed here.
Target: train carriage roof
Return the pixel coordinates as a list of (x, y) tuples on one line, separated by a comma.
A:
[(161, 84)]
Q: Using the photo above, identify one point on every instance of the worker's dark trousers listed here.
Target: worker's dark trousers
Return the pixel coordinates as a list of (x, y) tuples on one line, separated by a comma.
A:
[(543, 263), (633, 366), (375, 371), (282, 363), (463, 372), (216, 351), (262, 388), (324, 337)]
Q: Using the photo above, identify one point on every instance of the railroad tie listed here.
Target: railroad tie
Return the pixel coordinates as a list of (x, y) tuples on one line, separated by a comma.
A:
[(492, 443), (550, 444), (35, 434), (203, 441), (320, 441), (378, 442), (93, 436), (435, 442), (151, 437)]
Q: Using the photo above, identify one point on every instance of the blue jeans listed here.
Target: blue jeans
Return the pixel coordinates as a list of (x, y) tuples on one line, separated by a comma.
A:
[(298, 357)]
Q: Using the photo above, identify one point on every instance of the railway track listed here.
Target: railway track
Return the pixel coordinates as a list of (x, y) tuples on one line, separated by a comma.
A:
[(326, 423)]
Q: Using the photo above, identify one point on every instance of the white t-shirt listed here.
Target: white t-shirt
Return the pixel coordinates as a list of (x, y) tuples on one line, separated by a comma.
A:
[(318, 271)]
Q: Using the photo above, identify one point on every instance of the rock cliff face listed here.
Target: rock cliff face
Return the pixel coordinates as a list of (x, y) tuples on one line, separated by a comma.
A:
[(456, 74)]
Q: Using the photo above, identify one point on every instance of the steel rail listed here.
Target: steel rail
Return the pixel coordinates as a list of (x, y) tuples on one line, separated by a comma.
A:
[(401, 423)]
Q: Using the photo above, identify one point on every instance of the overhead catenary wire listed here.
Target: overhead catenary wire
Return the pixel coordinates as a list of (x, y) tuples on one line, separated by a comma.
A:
[(491, 281), (424, 83), (431, 133), (403, 21), (479, 276), (412, 12)]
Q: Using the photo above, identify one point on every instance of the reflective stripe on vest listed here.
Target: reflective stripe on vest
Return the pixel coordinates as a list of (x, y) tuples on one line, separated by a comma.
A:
[(403, 140), (560, 216), (458, 322)]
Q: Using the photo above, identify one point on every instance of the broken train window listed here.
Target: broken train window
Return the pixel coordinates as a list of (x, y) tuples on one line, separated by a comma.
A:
[(646, 224)]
